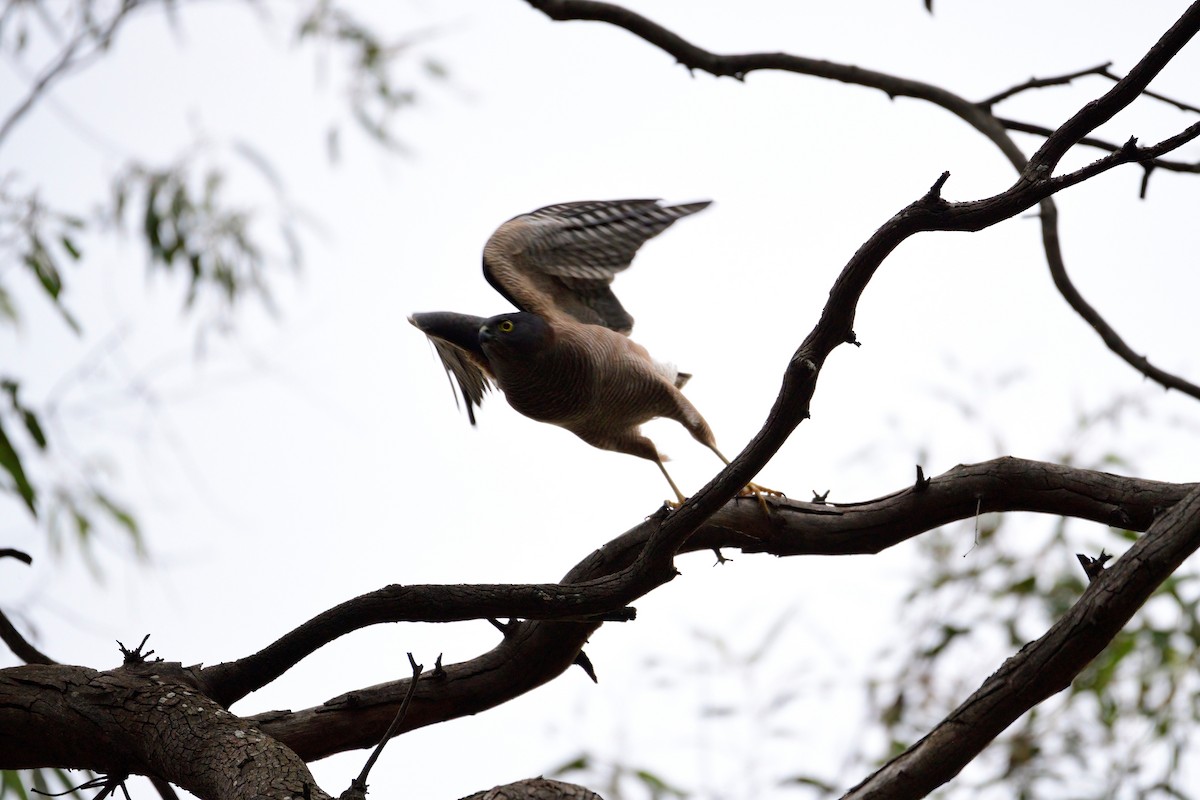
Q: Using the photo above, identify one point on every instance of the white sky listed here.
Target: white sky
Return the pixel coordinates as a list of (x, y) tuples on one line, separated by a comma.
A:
[(317, 456)]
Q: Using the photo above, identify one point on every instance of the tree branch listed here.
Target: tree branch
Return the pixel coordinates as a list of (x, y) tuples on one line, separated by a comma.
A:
[(1041, 83), (1100, 144), (542, 651), (532, 653), (1044, 667), (1124, 92), (9, 634), (67, 60), (19, 645), (488, 680), (794, 528), (977, 115), (145, 719)]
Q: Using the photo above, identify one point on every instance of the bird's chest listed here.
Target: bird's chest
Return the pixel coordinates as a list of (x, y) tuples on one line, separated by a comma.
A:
[(556, 387)]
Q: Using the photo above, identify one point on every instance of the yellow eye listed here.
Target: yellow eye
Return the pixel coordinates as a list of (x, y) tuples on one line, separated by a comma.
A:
[(505, 326)]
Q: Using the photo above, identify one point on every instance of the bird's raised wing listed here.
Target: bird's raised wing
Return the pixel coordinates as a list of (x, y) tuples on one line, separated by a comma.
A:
[(455, 337), (561, 259)]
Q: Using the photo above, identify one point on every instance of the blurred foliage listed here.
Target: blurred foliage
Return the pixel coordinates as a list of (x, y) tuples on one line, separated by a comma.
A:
[(977, 593), (1123, 726), (186, 224), (983, 589), (374, 93), (618, 780), (57, 782), (182, 211)]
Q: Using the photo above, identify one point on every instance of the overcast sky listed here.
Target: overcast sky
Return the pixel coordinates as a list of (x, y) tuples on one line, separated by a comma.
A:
[(318, 454)]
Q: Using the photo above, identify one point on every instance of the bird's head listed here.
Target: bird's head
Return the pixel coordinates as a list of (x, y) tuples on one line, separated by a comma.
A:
[(517, 334)]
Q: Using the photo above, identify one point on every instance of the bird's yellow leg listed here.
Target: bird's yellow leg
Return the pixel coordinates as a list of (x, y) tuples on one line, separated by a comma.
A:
[(675, 488), (753, 488)]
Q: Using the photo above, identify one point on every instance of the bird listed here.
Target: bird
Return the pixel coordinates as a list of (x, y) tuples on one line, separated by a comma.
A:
[(565, 357)]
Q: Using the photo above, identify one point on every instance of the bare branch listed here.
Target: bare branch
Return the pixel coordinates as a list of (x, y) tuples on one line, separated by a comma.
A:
[(20, 646), (1125, 91), (19, 555), (977, 115), (489, 679), (69, 59), (1044, 667), (1066, 287), (532, 653), (358, 786), (1178, 104), (146, 719), (794, 528), (9, 634), (1100, 144), (165, 790), (536, 789), (1040, 83)]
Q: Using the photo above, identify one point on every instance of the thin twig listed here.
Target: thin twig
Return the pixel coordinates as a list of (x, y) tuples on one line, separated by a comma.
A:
[(67, 60), (19, 555), (974, 114), (9, 634), (1040, 83), (165, 790), (19, 645), (358, 786), (1099, 144)]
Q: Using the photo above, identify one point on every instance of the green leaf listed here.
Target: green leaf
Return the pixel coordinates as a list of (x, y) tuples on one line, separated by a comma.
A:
[(118, 513), (580, 763), (8, 310), (70, 247), (10, 781), (10, 462), (1025, 586), (34, 427), (808, 780), (657, 786), (44, 269)]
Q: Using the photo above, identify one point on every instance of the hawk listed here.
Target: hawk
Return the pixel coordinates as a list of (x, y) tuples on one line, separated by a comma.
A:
[(566, 357)]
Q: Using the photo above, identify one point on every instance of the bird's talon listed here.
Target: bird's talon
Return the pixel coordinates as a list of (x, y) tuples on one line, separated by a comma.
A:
[(760, 493), (756, 490)]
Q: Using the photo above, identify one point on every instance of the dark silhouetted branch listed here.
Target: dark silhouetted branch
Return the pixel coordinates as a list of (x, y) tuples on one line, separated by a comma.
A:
[(1041, 83), (533, 653), (1046, 666), (977, 115), (19, 645)]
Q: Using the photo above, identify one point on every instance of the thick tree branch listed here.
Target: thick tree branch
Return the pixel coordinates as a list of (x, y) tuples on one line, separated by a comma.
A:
[(1044, 667), (533, 653), (536, 789), (794, 528), (977, 115), (145, 719)]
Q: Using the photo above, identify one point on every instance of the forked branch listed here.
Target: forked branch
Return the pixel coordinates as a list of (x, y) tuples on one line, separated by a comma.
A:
[(534, 652), (977, 115)]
